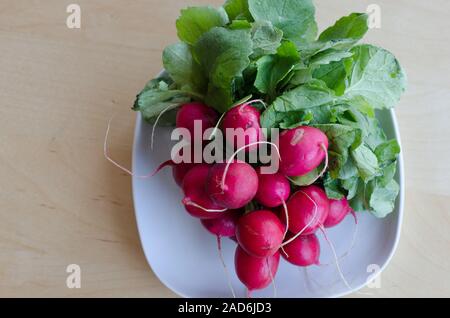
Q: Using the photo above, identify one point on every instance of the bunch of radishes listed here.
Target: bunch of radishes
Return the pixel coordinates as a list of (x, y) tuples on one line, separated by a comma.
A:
[(286, 217)]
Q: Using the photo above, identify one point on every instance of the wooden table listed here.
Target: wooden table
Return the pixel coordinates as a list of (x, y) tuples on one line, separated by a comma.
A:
[(61, 202)]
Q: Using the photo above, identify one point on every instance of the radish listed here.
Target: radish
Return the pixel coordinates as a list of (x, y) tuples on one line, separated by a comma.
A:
[(223, 226), (232, 185), (339, 209), (302, 150), (260, 233), (196, 200), (303, 251), (254, 272), (307, 209), (273, 189), (191, 112), (244, 119)]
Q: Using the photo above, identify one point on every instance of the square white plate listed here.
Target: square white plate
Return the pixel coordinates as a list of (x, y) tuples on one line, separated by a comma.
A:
[(184, 256)]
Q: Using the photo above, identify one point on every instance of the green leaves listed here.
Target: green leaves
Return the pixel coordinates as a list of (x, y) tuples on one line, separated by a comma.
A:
[(237, 9), (269, 50), (376, 76), (195, 21), (294, 17), (156, 98), (312, 94), (266, 38), (178, 62), (273, 68), (224, 55), (353, 27)]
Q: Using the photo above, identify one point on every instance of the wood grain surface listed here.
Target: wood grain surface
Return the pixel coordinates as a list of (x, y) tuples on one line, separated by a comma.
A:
[(61, 202)]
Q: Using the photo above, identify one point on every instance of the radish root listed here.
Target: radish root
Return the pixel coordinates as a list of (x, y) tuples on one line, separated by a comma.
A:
[(156, 124), (225, 269), (187, 201), (333, 250), (272, 279), (128, 171)]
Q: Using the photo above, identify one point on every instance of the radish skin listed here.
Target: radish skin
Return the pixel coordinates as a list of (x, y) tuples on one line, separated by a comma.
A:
[(273, 189), (339, 209), (196, 200), (307, 210), (191, 112), (255, 272), (260, 233), (302, 150), (246, 118), (303, 251), (236, 188)]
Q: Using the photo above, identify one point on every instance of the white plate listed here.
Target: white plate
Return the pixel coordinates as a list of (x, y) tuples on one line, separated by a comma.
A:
[(184, 256)]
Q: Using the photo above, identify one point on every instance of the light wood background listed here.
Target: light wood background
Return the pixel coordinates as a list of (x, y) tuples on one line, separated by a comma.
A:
[(61, 202)]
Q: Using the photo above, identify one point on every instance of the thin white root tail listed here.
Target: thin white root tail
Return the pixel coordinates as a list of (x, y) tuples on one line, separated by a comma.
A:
[(156, 124), (230, 161), (256, 101), (128, 171), (272, 279), (307, 225), (352, 244), (225, 269), (286, 215), (325, 167), (333, 250), (188, 202)]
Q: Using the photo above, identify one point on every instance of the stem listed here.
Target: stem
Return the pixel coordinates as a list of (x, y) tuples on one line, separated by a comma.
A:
[(156, 123)]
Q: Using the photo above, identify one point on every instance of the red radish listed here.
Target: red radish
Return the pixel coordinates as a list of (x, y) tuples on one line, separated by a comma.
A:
[(232, 185), (196, 200), (191, 112), (302, 150), (273, 189), (307, 209), (223, 226), (247, 119), (303, 251), (339, 209), (254, 272), (260, 233)]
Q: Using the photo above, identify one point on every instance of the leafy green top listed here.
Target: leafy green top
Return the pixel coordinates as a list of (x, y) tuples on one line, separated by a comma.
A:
[(271, 50)]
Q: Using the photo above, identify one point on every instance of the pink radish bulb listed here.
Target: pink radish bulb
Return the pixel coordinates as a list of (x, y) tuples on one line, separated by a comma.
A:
[(196, 200), (247, 118), (273, 189), (180, 170), (191, 112), (260, 233), (303, 251), (339, 209), (255, 272), (235, 188), (302, 150), (307, 210), (223, 226)]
